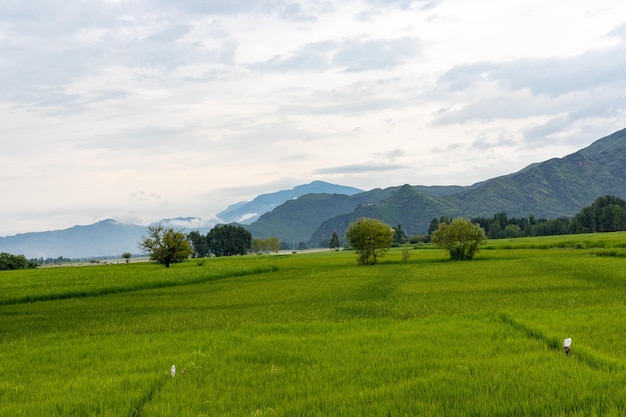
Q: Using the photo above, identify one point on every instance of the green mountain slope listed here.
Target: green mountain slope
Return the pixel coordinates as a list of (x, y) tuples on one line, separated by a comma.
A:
[(295, 220), (246, 212), (406, 206), (557, 187)]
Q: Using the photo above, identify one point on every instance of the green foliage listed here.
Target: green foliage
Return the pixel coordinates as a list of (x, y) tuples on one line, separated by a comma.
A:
[(126, 256), (9, 262), (334, 241), (165, 246), (605, 214), (270, 244), (199, 244), (461, 238), (256, 245), (370, 238), (399, 235), (229, 240), (222, 240)]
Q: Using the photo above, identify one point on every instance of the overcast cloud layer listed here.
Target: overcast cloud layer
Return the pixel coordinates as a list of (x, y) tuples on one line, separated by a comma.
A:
[(142, 110)]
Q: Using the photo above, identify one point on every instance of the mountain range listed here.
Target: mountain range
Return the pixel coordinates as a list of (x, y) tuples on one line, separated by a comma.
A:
[(311, 212), (554, 188), (109, 238), (247, 212)]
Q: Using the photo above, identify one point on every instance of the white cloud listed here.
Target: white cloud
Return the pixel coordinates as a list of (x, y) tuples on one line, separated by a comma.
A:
[(105, 106), (351, 55)]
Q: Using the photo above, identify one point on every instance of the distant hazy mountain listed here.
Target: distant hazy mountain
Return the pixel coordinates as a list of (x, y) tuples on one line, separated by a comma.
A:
[(247, 212), (105, 238)]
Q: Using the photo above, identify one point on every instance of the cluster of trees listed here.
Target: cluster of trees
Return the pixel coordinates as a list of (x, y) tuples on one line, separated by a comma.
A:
[(399, 238), (605, 214), (230, 240), (222, 240), (167, 246), (269, 245), (10, 262), (371, 239)]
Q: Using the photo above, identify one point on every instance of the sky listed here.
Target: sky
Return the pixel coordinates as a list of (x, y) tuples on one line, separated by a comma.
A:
[(145, 110)]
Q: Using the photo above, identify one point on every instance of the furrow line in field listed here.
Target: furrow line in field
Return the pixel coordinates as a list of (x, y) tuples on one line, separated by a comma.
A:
[(591, 359), (137, 411), (152, 285)]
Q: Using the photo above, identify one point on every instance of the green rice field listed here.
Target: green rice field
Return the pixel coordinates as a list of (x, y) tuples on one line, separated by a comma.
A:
[(314, 334)]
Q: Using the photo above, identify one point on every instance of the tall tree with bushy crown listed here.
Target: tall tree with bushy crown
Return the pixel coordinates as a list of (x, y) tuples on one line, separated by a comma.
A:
[(166, 246), (461, 238), (370, 238)]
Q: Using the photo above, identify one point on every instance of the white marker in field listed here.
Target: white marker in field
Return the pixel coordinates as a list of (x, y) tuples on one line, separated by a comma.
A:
[(173, 371), (567, 343)]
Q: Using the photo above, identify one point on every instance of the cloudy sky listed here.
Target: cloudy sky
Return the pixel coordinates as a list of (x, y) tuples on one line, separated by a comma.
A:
[(141, 110)]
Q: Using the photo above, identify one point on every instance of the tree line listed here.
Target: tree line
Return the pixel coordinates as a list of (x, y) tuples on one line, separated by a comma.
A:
[(605, 214), (221, 240), (167, 246), (11, 262)]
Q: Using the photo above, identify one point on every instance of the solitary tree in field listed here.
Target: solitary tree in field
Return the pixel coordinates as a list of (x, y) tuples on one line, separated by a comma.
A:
[(370, 238), (166, 246), (334, 241), (126, 256), (461, 238)]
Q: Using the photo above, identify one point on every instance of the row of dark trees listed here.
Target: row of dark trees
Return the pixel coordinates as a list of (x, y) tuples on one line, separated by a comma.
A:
[(10, 262), (221, 240), (605, 214)]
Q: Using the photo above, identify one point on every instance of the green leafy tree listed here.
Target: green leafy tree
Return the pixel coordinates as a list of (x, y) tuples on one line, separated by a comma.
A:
[(461, 238), (8, 262), (605, 214), (270, 244), (127, 256), (257, 245), (512, 230), (199, 244), (165, 246), (370, 238), (399, 235), (229, 240), (334, 241)]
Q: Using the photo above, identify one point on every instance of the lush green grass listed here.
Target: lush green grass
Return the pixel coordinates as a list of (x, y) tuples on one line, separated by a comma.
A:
[(316, 335)]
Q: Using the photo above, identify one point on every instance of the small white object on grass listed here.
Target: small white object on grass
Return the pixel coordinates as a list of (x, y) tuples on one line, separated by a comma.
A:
[(173, 371), (567, 342)]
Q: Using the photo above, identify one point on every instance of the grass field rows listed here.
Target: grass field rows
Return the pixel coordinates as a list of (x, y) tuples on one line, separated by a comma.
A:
[(316, 335)]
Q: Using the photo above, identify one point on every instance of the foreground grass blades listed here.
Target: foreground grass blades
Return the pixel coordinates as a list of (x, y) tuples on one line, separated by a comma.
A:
[(314, 334)]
